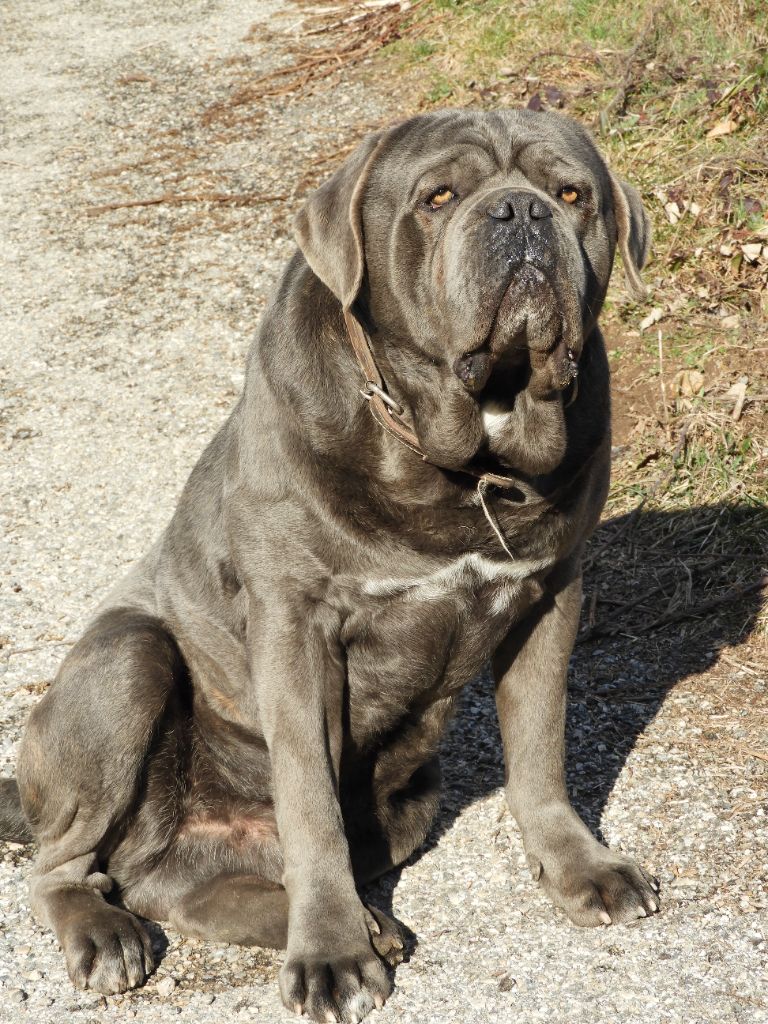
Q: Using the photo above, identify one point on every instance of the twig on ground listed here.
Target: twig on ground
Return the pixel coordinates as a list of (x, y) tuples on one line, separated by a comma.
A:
[(586, 58), (664, 407), (738, 665), (39, 647), (359, 37), (692, 611), (689, 612), (596, 628), (172, 199), (752, 752), (630, 78)]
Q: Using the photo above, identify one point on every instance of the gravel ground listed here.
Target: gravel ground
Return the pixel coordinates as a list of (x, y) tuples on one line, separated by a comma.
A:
[(122, 341)]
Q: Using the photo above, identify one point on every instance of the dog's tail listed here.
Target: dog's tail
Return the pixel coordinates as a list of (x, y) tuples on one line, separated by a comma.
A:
[(13, 822)]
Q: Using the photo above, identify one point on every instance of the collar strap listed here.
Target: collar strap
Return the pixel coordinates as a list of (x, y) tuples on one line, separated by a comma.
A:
[(386, 411)]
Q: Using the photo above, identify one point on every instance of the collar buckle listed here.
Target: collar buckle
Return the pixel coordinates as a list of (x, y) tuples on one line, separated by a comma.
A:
[(372, 389)]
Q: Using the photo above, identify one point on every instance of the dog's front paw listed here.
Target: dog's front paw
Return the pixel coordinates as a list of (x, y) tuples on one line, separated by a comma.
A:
[(335, 987), (334, 969), (596, 886)]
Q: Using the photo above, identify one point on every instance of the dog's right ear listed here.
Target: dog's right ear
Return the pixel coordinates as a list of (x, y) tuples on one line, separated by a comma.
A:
[(329, 226)]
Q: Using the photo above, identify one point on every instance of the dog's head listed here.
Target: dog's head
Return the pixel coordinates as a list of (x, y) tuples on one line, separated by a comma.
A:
[(476, 247)]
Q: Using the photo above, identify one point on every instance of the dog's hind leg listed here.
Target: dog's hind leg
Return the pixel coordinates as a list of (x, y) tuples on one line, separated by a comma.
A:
[(243, 909), (251, 911), (80, 774)]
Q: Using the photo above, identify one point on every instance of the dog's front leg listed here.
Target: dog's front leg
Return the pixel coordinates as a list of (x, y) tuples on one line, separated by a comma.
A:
[(332, 970), (590, 883)]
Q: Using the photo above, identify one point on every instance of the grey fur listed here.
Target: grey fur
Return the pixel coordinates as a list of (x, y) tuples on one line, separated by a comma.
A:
[(13, 823), (249, 727)]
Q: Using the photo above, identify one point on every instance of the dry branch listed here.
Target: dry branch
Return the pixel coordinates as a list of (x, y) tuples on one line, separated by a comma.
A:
[(173, 199), (352, 40), (693, 611), (631, 77)]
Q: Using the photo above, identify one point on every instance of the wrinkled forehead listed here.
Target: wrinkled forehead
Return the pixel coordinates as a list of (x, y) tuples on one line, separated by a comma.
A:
[(485, 144)]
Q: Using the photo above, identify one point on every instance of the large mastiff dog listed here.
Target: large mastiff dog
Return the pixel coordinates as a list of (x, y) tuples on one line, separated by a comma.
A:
[(248, 730)]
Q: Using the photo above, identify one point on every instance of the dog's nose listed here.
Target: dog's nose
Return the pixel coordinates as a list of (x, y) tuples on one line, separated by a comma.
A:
[(501, 210), (518, 205)]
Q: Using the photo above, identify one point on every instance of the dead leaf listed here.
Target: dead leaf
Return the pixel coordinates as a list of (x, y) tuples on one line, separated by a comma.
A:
[(689, 382), (553, 96), (723, 186), (752, 206), (653, 318), (672, 211), (726, 127), (646, 459), (752, 251)]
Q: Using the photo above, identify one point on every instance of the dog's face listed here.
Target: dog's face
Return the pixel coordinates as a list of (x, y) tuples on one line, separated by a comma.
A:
[(477, 247)]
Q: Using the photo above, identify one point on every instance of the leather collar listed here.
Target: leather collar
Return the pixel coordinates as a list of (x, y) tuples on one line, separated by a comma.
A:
[(388, 413)]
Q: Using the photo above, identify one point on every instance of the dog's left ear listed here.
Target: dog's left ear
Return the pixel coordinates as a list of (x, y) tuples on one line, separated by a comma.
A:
[(329, 226), (634, 232)]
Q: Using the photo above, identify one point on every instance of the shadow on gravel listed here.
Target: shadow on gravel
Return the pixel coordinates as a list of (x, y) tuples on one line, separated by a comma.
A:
[(664, 594)]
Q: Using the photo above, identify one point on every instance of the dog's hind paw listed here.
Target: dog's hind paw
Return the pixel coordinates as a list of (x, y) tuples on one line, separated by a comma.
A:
[(386, 935)]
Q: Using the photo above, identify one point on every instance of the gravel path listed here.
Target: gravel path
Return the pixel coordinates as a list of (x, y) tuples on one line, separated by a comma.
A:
[(122, 340)]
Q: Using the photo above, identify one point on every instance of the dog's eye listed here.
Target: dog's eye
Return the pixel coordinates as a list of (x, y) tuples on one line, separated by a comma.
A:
[(442, 197), (569, 194)]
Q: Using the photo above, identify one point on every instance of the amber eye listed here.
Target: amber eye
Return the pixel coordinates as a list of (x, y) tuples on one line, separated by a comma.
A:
[(569, 195), (440, 198)]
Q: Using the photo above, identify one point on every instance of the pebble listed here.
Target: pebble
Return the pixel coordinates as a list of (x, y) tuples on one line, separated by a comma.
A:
[(16, 995), (166, 987)]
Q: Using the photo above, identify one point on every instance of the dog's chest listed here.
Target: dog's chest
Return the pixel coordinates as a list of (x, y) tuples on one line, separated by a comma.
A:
[(415, 637), (489, 584)]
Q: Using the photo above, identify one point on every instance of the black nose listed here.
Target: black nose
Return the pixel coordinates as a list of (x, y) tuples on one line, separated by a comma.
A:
[(522, 205)]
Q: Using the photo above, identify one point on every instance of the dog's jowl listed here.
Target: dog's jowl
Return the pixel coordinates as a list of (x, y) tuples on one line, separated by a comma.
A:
[(248, 730)]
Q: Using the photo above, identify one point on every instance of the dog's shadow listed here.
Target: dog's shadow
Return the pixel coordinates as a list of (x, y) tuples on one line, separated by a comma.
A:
[(618, 680)]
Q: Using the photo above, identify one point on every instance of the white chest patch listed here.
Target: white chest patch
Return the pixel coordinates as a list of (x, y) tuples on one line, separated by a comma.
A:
[(494, 417), (467, 572)]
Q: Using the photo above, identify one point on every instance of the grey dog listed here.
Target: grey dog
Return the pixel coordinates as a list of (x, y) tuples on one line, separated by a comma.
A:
[(248, 730)]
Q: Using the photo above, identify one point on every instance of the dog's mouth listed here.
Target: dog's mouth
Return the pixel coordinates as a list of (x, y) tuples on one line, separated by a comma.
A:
[(530, 346), (529, 319)]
